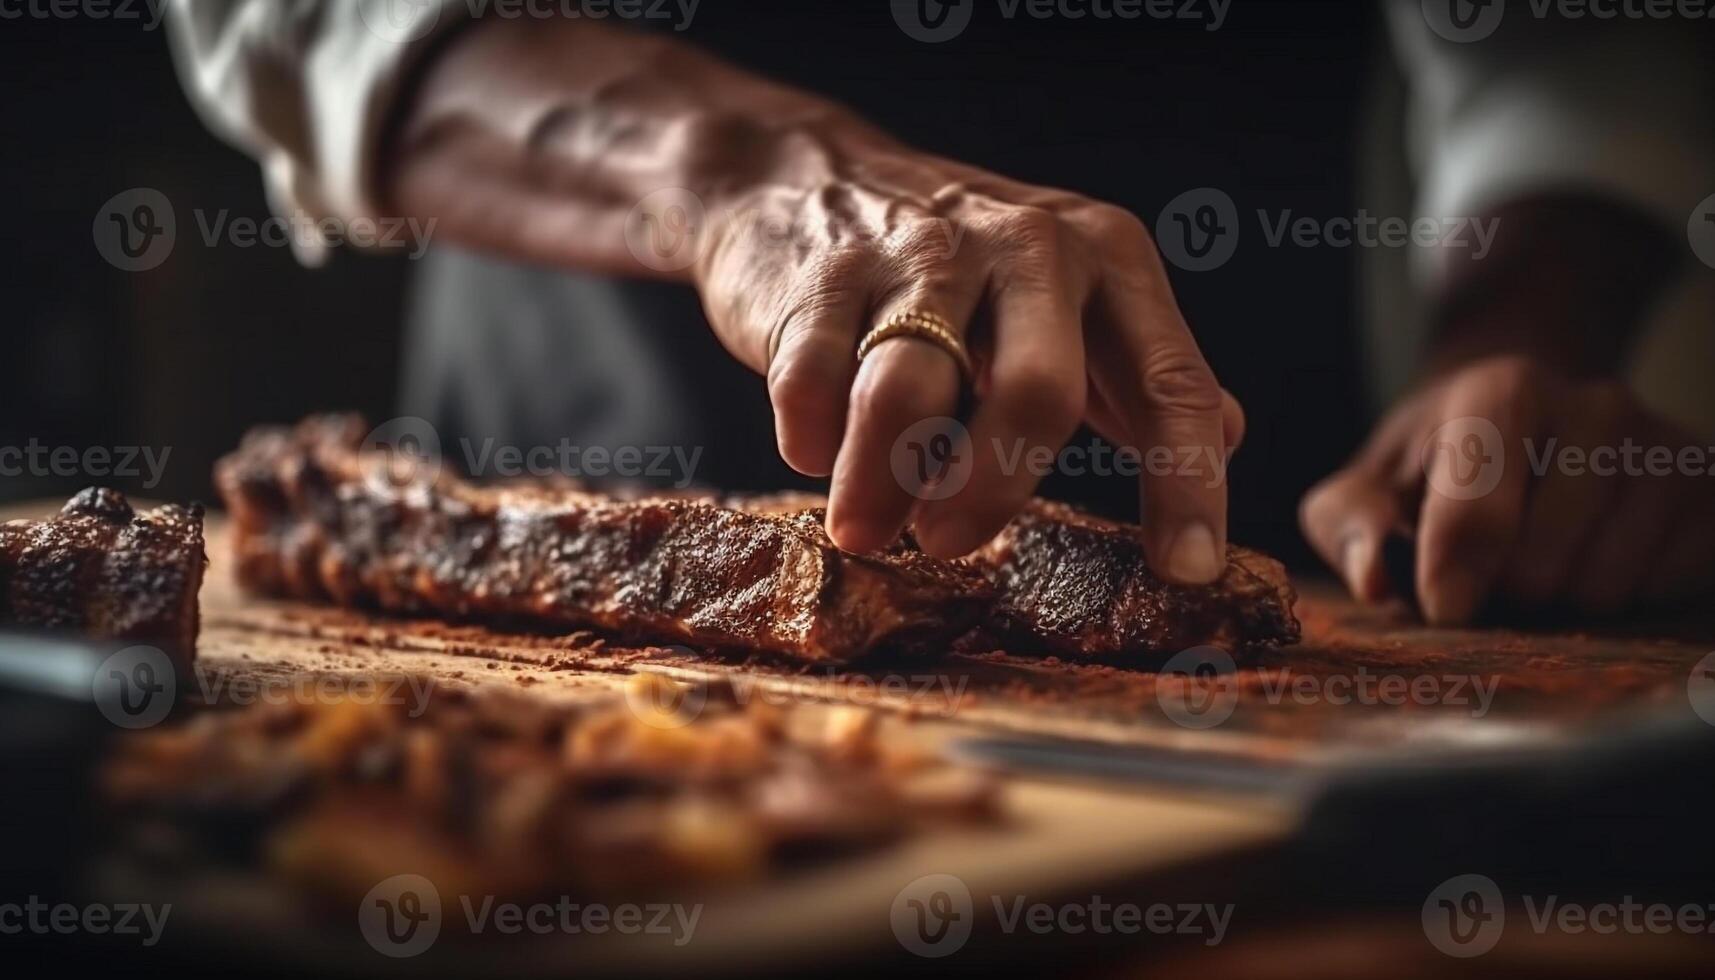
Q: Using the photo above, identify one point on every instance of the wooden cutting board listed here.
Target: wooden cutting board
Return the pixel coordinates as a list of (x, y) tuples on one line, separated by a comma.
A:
[(1364, 680), (1063, 836)]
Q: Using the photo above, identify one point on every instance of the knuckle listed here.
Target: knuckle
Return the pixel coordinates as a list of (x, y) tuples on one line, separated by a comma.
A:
[(1112, 223), (800, 383), (1179, 382), (1027, 228), (1048, 397), (1509, 374), (924, 242), (892, 394)]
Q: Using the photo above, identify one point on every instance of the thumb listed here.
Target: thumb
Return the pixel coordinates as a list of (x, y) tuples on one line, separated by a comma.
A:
[(1347, 517)]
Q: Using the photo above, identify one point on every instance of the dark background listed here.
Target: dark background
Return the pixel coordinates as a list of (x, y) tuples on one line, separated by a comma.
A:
[(217, 339)]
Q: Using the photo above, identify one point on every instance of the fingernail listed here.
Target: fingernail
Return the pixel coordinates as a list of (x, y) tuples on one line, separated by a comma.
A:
[(1193, 558)]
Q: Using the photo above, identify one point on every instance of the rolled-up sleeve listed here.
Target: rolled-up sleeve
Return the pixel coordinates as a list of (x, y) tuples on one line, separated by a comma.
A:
[(306, 87), (1614, 107)]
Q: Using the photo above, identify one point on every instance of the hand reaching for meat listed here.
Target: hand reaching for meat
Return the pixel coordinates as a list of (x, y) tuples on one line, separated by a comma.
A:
[(557, 141), (1063, 299), (1525, 484)]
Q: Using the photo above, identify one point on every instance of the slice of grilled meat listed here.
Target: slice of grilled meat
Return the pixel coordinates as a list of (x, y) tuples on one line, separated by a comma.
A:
[(318, 516), (103, 570), (1079, 585)]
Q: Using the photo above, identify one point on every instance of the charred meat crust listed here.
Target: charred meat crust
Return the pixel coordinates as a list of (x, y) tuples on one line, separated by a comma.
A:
[(100, 569), (1079, 585), (316, 516), (319, 516)]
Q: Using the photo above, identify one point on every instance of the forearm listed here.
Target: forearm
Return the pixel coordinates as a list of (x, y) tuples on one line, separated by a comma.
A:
[(537, 140), (1565, 280)]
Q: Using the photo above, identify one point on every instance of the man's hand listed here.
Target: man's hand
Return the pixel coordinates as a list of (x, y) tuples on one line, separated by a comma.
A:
[(1523, 483), (1063, 299), (546, 141)]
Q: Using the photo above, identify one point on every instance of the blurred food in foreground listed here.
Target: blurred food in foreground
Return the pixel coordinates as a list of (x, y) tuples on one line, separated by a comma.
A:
[(671, 786)]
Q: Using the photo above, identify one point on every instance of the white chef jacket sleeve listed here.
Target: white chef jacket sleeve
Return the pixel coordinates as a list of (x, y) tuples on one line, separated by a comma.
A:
[(306, 86), (1614, 106)]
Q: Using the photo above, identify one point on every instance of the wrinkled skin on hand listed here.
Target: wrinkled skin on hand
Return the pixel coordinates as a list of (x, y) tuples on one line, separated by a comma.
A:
[(1063, 300)]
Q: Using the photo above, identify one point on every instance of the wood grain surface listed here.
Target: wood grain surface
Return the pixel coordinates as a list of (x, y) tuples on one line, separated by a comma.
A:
[(1296, 704)]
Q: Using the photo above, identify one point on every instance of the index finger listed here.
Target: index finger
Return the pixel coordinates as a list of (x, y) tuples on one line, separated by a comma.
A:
[(1146, 364)]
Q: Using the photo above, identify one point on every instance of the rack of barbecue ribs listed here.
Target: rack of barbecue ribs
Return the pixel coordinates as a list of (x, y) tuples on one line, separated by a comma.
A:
[(316, 517), (103, 570), (319, 516)]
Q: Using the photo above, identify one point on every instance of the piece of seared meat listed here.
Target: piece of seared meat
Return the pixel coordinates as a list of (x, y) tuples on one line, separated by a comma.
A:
[(1079, 585), (317, 516), (100, 569)]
